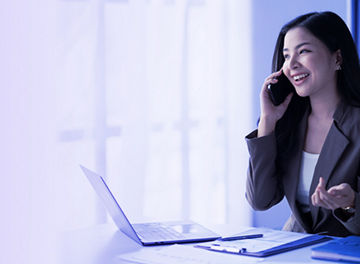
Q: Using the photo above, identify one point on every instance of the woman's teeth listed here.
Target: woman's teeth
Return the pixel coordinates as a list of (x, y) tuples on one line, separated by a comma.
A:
[(300, 76)]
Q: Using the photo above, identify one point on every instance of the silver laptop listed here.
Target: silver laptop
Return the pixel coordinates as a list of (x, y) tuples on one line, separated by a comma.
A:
[(148, 233)]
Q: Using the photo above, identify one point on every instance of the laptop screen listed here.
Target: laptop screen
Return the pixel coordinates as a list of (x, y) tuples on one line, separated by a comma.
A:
[(110, 202)]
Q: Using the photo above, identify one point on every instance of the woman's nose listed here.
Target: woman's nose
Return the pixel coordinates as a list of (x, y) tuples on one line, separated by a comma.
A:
[(293, 62)]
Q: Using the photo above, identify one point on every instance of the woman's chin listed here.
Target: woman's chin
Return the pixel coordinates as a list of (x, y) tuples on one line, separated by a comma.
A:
[(301, 93)]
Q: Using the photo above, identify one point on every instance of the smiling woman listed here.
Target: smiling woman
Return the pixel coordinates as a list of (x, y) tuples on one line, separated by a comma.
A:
[(312, 69), (310, 66), (313, 152)]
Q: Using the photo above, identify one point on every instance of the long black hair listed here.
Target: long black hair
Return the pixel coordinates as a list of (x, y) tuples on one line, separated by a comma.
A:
[(330, 29)]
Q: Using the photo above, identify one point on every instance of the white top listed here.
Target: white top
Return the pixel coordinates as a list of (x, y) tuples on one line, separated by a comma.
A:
[(308, 163)]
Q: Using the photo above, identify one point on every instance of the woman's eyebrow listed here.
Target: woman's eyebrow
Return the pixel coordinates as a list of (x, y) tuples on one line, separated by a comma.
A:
[(298, 46)]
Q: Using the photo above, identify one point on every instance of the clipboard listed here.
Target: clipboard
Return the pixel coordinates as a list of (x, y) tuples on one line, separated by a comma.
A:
[(303, 242), (242, 249)]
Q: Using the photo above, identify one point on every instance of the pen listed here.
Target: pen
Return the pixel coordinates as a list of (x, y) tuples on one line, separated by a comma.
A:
[(240, 237), (224, 249)]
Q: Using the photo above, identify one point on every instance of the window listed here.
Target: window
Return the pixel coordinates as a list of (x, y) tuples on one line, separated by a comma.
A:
[(152, 94)]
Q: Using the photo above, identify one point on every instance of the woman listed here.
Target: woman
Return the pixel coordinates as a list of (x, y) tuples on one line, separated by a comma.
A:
[(307, 148)]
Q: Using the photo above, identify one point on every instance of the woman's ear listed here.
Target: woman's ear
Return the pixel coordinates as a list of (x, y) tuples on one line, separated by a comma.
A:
[(338, 59)]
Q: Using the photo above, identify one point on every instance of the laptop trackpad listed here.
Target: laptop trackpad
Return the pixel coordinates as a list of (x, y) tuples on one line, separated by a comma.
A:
[(187, 228)]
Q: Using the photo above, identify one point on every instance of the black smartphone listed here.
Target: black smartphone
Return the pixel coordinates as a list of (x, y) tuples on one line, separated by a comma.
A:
[(278, 91)]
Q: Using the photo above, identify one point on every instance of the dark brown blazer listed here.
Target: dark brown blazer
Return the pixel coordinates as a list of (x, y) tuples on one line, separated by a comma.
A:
[(338, 163)]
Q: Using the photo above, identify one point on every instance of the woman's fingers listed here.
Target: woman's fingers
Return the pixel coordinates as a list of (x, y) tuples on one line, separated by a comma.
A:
[(321, 184), (272, 78), (341, 195), (328, 201), (320, 199)]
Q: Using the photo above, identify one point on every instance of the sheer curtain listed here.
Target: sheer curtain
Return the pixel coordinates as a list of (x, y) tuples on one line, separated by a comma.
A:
[(27, 134), (154, 95)]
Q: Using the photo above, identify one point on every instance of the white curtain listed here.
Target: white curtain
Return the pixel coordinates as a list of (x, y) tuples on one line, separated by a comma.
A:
[(27, 134), (154, 95)]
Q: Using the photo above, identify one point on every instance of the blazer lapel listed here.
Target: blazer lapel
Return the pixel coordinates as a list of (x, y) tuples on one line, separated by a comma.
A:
[(333, 148)]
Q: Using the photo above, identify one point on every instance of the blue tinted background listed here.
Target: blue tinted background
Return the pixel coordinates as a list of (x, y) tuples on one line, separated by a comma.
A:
[(38, 193)]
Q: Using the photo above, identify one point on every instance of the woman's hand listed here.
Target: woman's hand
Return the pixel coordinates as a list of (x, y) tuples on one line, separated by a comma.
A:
[(270, 113), (338, 196)]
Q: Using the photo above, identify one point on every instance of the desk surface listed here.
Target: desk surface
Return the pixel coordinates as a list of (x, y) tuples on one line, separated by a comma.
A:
[(105, 243)]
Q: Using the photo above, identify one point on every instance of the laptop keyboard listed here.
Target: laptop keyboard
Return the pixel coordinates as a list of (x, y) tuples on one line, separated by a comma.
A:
[(156, 232)]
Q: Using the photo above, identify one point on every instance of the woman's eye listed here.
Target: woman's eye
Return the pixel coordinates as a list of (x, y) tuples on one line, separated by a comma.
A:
[(286, 56), (304, 51)]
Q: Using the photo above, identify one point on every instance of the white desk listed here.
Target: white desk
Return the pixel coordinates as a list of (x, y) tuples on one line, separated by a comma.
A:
[(104, 244)]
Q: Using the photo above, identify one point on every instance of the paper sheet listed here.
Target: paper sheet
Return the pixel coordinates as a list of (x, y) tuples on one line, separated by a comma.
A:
[(184, 254)]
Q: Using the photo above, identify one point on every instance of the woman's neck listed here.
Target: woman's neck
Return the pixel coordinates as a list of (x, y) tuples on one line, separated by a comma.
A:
[(324, 107)]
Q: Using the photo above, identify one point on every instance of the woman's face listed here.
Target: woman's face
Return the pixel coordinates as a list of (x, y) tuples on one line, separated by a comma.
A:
[(309, 64)]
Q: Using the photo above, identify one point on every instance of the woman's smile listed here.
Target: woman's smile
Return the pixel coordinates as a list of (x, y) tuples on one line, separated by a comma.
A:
[(309, 64)]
